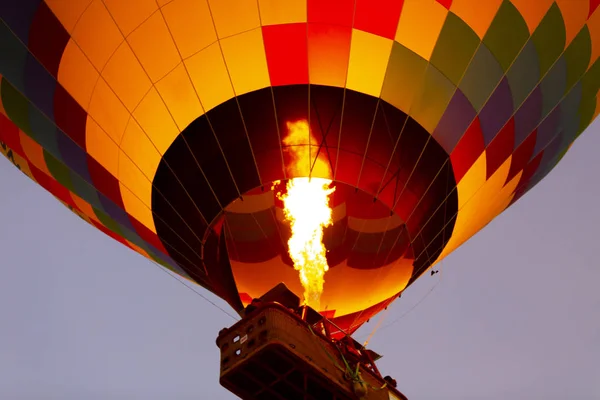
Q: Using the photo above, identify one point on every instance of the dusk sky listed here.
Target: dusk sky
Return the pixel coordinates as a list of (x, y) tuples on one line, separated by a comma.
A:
[(514, 312)]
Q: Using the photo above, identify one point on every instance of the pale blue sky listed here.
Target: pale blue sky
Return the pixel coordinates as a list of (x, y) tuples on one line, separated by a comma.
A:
[(515, 315)]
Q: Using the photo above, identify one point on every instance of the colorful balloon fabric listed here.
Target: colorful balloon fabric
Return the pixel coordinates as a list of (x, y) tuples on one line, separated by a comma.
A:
[(160, 122)]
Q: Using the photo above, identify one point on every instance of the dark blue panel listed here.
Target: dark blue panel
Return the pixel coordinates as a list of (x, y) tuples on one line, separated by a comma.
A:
[(547, 131), (18, 15), (528, 116), (456, 119), (496, 112), (115, 212), (73, 156), (39, 86)]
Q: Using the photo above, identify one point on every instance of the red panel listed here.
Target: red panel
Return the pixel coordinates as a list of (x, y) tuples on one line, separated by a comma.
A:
[(51, 185), (379, 17), (286, 49), (147, 235), (269, 166), (371, 177), (446, 3), (500, 148), (9, 134), (110, 233), (351, 322), (69, 116), (348, 166), (105, 182), (47, 39), (337, 12), (467, 151), (521, 156), (593, 5), (245, 298), (528, 173)]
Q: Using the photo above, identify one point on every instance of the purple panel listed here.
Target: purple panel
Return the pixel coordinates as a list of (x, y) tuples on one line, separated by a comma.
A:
[(115, 212), (455, 121), (550, 152), (39, 86), (73, 156), (528, 116), (496, 112), (547, 130), (18, 14)]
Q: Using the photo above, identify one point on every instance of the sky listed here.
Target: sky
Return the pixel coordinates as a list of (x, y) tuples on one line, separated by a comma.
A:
[(514, 313)]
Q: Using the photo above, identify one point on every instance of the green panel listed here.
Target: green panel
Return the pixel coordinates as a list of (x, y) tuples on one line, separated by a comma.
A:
[(436, 93), (482, 77), (507, 34), (43, 131), (524, 74), (587, 109), (578, 56), (550, 38), (553, 86), (591, 80), (15, 105), (108, 222), (13, 56), (58, 170), (403, 78), (455, 48), (84, 190)]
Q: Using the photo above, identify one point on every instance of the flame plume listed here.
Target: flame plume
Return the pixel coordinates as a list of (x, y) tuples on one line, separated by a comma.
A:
[(306, 207)]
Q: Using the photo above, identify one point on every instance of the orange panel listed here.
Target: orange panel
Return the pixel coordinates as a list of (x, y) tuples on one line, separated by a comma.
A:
[(98, 48), (154, 47), (108, 111), (420, 24), (575, 13), (532, 11), (129, 14), (234, 16), (77, 75), (155, 120), (477, 14), (68, 12), (190, 24), (101, 147), (34, 153), (126, 77), (278, 12), (179, 95), (594, 27)]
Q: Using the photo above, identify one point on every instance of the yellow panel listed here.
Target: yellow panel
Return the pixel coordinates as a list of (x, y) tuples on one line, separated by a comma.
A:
[(209, 76), (34, 153), (575, 13), (85, 207), (477, 14), (234, 16), (97, 47), (190, 24), (136, 207), (77, 75), (594, 27), (126, 77), (478, 207), (108, 111), (533, 11), (68, 11), (129, 14), (101, 147), (154, 47), (246, 61), (155, 120), (276, 12), (178, 93), (420, 24), (369, 56)]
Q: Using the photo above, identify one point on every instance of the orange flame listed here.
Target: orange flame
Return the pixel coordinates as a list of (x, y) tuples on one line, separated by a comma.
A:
[(306, 207)]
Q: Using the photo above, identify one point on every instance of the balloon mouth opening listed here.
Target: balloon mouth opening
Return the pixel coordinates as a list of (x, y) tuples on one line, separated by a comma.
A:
[(257, 234)]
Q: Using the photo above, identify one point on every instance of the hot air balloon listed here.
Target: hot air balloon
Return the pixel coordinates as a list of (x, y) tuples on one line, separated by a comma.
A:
[(166, 123)]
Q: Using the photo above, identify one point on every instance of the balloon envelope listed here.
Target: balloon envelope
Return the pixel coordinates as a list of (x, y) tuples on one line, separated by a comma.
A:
[(160, 123)]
